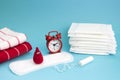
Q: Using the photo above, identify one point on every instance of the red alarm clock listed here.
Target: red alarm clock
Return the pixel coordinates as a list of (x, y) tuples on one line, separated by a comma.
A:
[(54, 43)]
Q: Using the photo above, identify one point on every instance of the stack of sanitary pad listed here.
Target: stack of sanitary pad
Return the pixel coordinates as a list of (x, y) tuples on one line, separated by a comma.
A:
[(91, 38)]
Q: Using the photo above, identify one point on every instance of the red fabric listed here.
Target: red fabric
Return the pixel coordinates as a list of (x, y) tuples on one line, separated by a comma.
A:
[(37, 58), (14, 51)]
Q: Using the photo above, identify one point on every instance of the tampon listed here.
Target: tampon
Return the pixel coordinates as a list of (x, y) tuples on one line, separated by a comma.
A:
[(86, 60)]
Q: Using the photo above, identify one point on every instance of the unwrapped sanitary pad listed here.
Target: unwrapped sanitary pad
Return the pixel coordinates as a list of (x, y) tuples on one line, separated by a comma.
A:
[(23, 67)]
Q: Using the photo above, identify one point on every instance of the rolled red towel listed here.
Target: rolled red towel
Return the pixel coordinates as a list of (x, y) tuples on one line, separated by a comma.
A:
[(13, 52)]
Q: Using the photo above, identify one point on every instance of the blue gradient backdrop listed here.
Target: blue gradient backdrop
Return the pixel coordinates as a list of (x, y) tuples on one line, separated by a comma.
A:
[(36, 18)]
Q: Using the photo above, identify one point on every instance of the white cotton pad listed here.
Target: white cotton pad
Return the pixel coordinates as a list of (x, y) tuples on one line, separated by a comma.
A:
[(92, 39), (90, 28), (86, 60), (83, 50), (26, 66), (97, 46), (95, 36), (95, 52), (92, 43), (93, 48), (90, 52)]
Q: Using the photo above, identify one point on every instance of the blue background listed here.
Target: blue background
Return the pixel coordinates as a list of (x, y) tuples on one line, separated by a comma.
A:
[(36, 18)]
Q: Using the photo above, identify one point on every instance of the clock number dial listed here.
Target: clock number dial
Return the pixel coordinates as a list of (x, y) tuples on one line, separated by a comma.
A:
[(54, 45)]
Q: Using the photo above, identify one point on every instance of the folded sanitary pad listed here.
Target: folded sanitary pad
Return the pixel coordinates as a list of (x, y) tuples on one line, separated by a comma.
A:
[(90, 28), (89, 38)]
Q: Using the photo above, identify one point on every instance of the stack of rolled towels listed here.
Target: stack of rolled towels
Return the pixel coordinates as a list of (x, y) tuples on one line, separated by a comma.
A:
[(12, 44), (90, 38)]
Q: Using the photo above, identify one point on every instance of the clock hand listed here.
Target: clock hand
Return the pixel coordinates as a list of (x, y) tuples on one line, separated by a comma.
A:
[(54, 47), (56, 43)]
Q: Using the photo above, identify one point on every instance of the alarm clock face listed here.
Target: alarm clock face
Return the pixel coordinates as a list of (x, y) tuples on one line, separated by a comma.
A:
[(55, 45)]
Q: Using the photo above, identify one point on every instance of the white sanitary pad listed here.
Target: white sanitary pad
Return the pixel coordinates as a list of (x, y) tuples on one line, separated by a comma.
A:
[(91, 28), (26, 66), (91, 38)]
